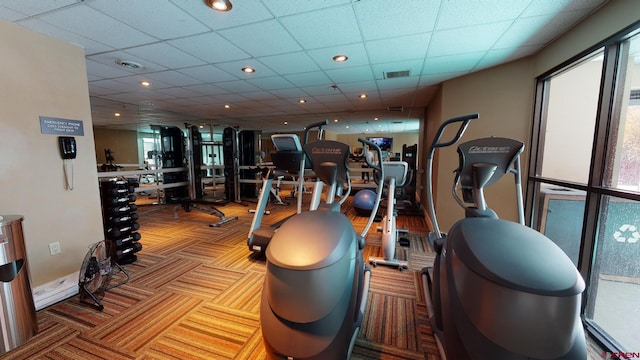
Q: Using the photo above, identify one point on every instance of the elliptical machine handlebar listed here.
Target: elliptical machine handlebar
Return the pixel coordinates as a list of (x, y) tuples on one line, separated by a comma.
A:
[(376, 167), (318, 125), (464, 120)]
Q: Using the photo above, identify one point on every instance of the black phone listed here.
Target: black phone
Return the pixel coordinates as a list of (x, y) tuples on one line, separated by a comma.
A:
[(68, 148)]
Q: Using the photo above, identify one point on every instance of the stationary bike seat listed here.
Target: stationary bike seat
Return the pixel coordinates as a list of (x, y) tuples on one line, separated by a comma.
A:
[(514, 256)]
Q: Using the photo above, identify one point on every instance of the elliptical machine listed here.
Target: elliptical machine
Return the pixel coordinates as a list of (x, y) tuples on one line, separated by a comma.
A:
[(317, 283), (498, 289), (397, 175)]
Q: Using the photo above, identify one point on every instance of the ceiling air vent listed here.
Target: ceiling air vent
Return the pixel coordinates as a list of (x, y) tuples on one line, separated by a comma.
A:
[(395, 108), (396, 74), (635, 94), (129, 64)]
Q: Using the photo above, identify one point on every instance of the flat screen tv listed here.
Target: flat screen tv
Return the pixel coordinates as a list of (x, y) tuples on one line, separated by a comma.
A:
[(383, 142)]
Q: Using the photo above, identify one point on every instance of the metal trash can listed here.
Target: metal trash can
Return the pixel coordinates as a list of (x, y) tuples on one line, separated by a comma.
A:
[(18, 321)]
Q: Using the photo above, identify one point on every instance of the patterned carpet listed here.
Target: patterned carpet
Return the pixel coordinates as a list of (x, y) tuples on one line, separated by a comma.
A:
[(194, 293)]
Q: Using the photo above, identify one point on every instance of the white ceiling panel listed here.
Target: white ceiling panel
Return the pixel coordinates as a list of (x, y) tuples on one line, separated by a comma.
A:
[(210, 47), (175, 22), (398, 49), (95, 25), (325, 27), (262, 39), (417, 16), (193, 55)]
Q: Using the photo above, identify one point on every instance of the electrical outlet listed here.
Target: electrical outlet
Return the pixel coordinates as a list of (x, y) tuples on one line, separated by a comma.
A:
[(54, 248)]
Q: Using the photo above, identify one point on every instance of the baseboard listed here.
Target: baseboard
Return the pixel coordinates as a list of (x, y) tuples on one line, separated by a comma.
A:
[(55, 291)]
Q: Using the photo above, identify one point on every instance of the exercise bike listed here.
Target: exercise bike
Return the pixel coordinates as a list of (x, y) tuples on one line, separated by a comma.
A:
[(316, 284), (498, 289), (397, 175)]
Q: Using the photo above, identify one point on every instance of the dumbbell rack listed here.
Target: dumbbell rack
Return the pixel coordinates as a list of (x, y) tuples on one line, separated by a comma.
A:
[(119, 217)]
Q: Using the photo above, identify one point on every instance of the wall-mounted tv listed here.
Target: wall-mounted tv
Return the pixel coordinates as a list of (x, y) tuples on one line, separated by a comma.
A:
[(383, 142)]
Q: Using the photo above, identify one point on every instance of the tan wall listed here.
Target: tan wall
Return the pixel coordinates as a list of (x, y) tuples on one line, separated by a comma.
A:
[(42, 76)]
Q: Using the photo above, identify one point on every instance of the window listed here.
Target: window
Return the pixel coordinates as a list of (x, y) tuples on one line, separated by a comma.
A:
[(584, 180)]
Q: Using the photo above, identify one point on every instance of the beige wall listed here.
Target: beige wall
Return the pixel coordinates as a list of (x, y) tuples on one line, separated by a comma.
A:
[(504, 97), (42, 76)]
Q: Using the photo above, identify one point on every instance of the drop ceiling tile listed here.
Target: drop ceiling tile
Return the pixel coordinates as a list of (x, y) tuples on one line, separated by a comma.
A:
[(235, 67), (289, 93), (97, 70), (379, 19), (399, 48), (429, 80), (413, 66), (210, 47), (237, 86), (206, 89), (111, 59), (132, 83), (319, 90), (162, 19), (271, 83), (175, 93), (466, 13), (35, 7), (410, 82), (451, 63), (173, 78), (350, 74), (323, 28), (291, 63), (262, 39), (90, 46), (467, 39), (284, 8), (244, 12), (165, 55), (324, 57), (369, 86), (91, 23), (309, 79), (555, 27), (542, 7), (11, 15), (208, 73), (501, 56)]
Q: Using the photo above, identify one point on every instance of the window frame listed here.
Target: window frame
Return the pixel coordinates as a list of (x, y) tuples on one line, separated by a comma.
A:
[(608, 112)]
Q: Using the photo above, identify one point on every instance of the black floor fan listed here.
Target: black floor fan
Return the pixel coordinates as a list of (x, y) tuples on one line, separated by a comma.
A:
[(96, 272)]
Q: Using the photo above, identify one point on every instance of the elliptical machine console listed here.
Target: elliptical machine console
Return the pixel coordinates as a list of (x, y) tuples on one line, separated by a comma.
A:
[(317, 283), (498, 289)]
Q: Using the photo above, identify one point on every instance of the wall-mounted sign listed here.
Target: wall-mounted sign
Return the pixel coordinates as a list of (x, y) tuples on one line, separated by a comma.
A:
[(56, 126)]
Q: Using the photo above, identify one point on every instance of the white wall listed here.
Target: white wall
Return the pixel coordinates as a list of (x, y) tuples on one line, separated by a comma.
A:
[(41, 76)]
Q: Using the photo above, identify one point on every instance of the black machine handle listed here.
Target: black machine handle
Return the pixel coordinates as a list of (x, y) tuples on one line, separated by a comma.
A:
[(464, 119), (318, 125)]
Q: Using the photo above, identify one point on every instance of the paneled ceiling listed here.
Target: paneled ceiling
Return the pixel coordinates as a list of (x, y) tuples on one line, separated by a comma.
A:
[(398, 52)]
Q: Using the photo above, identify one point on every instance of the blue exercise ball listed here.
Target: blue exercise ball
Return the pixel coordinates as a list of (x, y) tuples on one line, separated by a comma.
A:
[(363, 202)]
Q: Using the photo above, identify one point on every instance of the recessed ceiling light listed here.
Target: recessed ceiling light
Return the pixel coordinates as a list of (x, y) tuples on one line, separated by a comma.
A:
[(340, 58), (375, 118), (335, 120), (220, 5), (347, 126), (116, 114), (226, 106), (145, 83), (248, 69), (363, 96), (286, 123), (302, 101)]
